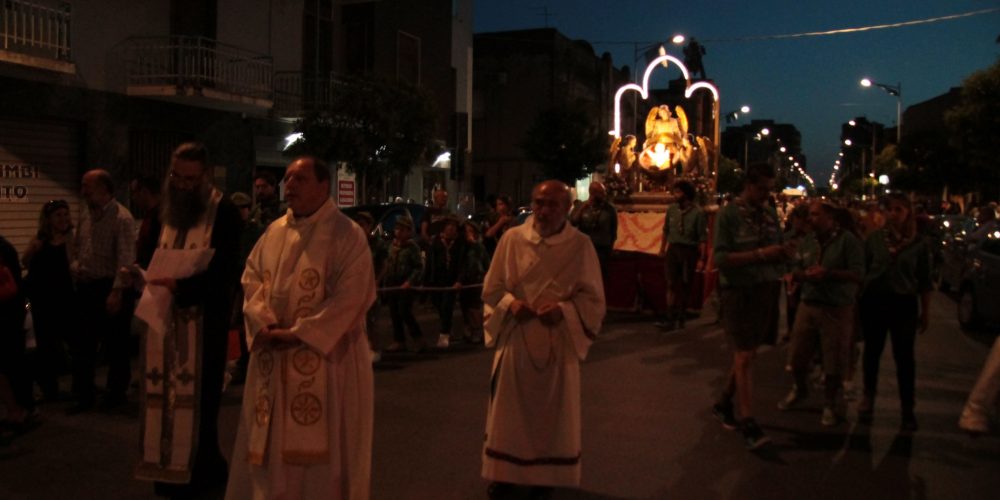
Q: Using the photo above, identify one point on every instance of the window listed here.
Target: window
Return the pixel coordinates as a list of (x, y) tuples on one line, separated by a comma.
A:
[(317, 37), (359, 37), (408, 58)]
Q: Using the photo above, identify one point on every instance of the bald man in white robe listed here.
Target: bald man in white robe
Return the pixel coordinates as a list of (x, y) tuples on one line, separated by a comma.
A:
[(544, 304)]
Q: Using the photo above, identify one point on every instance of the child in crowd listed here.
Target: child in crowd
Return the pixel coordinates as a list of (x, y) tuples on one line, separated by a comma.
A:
[(403, 270), (472, 271)]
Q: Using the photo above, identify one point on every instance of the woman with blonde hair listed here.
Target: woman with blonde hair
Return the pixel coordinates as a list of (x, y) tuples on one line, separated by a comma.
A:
[(895, 303), (50, 291)]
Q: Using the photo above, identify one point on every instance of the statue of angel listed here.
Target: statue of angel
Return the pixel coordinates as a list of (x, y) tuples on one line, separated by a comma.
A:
[(665, 138), (622, 154)]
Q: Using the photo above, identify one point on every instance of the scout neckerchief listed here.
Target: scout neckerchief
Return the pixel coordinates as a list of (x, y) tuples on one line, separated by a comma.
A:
[(896, 242), (760, 221)]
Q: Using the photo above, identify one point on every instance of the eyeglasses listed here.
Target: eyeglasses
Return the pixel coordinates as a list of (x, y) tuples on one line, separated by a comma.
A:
[(184, 180)]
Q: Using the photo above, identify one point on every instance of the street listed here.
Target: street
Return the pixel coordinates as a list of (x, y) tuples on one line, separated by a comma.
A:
[(647, 430)]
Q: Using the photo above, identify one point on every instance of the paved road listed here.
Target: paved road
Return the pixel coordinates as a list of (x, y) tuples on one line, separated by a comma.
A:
[(647, 430)]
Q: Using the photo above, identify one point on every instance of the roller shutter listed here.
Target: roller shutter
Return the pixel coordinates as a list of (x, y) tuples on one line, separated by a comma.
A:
[(39, 161)]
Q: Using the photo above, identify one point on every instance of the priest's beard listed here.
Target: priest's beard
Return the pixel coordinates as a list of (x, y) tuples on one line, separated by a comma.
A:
[(183, 207)]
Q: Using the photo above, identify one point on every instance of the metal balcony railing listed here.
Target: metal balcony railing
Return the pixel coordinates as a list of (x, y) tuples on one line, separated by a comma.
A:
[(35, 30), (297, 93), (197, 64)]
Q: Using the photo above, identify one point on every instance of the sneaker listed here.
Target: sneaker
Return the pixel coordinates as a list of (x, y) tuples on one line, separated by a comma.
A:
[(443, 341), (394, 347), (666, 326), (724, 412), (829, 418), (753, 436), (794, 397)]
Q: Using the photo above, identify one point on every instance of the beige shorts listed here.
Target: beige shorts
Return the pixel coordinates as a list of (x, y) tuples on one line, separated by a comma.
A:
[(824, 327)]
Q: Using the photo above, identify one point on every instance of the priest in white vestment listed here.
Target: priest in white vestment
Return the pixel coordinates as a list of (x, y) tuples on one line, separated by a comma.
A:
[(306, 426), (544, 304)]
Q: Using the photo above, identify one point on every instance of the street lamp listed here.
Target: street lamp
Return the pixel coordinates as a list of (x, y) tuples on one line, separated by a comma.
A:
[(735, 114), (897, 92)]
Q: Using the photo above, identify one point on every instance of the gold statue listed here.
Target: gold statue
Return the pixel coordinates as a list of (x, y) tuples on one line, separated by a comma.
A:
[(666, 139), (622, 154)]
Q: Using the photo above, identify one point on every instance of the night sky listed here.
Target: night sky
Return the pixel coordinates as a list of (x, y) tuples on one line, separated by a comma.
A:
[(811, 82)]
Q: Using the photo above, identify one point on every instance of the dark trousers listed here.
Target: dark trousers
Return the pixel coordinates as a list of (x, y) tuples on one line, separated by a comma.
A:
[(111, 332), (401, 312), (52, 325), (681, 262), (603, 258), (15, 363), (209, 465), (445, 304), (471, 302), (895, 316)]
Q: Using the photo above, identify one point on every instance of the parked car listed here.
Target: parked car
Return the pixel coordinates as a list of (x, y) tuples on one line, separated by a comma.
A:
[(386, 215), (979, 289)]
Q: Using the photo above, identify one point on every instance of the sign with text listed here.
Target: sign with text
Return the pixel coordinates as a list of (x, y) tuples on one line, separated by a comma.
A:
[(347, 188), (14, 178)]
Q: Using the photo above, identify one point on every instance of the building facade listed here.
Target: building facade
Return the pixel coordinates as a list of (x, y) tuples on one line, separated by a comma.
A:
[(519, 74), (118, 84)]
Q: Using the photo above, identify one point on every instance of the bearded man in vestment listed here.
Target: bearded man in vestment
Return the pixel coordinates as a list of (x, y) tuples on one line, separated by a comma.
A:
[(184, 356), (306, 424), (544, 304)]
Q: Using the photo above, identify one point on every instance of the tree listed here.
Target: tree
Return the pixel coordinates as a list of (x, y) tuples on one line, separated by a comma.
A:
[(730, 176), (565, 141), (379, 128), (930, 164), (973, 126)]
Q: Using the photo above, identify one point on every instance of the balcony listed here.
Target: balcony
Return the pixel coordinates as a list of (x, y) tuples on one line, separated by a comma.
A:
[(35, 35), (297, 93), (198, 71)]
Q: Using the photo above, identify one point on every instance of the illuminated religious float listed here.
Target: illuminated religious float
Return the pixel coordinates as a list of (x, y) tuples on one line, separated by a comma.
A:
[(680, 141)]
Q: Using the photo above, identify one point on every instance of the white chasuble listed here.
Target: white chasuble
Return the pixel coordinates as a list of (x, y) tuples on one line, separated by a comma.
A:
[(172, 355), (305, 429), (533, 422)]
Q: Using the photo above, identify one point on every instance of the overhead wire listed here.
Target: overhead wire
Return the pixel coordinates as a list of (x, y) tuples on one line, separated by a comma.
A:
[(859, 29)]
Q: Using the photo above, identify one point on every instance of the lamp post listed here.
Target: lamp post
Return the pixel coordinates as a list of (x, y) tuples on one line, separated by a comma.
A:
[(896, 91)]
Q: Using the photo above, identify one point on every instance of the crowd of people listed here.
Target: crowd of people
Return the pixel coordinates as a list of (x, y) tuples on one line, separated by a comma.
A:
[(853, 275), (302, 283)]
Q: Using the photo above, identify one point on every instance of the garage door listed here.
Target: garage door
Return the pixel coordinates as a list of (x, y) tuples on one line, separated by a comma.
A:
[(38, 162)]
